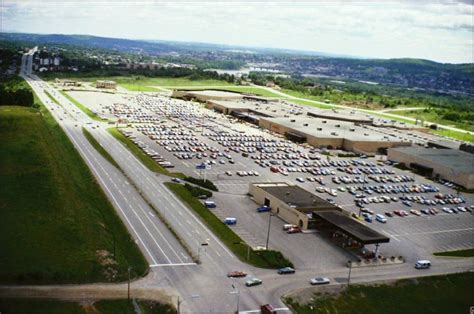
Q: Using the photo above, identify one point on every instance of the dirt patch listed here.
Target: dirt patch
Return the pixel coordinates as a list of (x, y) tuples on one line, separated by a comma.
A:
[(106, 259), (89, 307)]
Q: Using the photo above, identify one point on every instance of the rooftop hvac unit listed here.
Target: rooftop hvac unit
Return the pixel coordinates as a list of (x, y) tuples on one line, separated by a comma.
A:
[(324, 121), (319, 129), (352, 130), (334, 133), (366, 134), (337, 125), (293, 120), (306, 124)]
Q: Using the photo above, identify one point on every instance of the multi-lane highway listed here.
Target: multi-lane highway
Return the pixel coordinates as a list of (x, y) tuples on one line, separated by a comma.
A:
[(138, 194)]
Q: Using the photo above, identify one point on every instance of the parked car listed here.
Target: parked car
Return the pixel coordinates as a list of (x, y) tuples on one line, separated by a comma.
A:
[(319, 281), (293, 230), (288, 226), (286, 270), (263, 209), (381, 218), (230, 221), (210, 204), (253, 282)]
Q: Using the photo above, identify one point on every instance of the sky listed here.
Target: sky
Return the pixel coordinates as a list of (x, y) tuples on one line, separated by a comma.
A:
[(436, 30)]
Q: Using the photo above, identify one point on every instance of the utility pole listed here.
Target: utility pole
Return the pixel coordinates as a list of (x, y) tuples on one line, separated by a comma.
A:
[(349, 277), (236, 287), (128, 290), (268, 231), (178, 304)]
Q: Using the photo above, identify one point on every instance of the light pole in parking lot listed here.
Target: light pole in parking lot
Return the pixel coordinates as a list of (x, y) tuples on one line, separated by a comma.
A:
[(268, 231), (248, 248), (349, 276)]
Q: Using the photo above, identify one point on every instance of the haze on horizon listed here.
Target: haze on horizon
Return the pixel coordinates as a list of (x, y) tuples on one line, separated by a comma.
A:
[(441, 31)]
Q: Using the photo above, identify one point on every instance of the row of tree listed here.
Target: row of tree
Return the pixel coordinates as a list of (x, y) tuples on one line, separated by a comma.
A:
[(14, 91)]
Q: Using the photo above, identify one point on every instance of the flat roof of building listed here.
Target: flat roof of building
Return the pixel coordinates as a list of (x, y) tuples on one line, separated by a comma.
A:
[(215, 93), (341, 114), (352, 227), (450, 158), (295, 196), (325, 128)]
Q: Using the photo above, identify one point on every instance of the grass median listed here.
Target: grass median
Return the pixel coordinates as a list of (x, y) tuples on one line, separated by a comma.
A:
[(140, 154), (458, 253), (438, 294), (263, 259), (83, 108), (99, 148), (57, 225)]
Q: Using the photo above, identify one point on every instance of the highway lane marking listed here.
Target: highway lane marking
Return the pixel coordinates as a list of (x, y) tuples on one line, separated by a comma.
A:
[(433, 232), (172, 264), (159, 232), (113, 197)]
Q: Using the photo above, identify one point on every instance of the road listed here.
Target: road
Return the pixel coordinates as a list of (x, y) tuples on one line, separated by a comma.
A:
[(137, 192)]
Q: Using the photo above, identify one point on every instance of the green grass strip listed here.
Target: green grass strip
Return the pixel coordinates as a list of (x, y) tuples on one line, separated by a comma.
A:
[(262, 259), (144, 158), (458, 253), (99, 148), (83, 108), (437, 294)]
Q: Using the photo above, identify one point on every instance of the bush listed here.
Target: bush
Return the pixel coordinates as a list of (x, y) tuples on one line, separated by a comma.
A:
[(274, 259), (197, 191), (205, 184)]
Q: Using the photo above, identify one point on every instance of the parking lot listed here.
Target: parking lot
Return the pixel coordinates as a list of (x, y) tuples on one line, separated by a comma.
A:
[(182, 134)]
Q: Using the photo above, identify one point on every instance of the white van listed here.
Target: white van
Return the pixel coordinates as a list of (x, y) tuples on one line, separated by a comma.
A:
[(423, 264)]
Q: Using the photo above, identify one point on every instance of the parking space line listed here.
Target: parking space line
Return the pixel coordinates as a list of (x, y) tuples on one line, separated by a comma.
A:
[(433, 232)]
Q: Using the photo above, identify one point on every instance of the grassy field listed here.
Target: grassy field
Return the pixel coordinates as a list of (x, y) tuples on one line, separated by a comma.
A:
[(263, 259), (57, 225), (454, 134), (83, 108), (433, 116), (144, 158), (99, 148), (441, 294), (41, 306), (459, 253)]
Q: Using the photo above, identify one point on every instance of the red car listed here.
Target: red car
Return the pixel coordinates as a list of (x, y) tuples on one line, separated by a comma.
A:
[(234, 274), (398, 213), (293, 230)]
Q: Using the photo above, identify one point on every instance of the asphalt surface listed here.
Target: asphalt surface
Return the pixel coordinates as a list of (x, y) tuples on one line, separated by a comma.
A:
[(204, 288)]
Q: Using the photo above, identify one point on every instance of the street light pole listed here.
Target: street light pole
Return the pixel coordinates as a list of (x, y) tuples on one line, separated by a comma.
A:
[(128, 290), (349, 276), (268, 231), (236, 287)]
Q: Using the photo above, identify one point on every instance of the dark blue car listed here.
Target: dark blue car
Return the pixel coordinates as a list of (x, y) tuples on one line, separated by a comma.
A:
[(263, 209)]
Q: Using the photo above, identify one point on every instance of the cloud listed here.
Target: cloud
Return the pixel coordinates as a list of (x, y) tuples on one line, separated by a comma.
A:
[(437, 30)]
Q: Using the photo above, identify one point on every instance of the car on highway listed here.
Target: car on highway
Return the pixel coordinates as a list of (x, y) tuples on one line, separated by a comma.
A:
[(286, 270), (253, 282), (319, 281), (236, 274)]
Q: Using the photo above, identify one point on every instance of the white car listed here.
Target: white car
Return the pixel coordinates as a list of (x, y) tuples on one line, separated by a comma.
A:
[(299, 179), (319, 281), (380, 218)]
